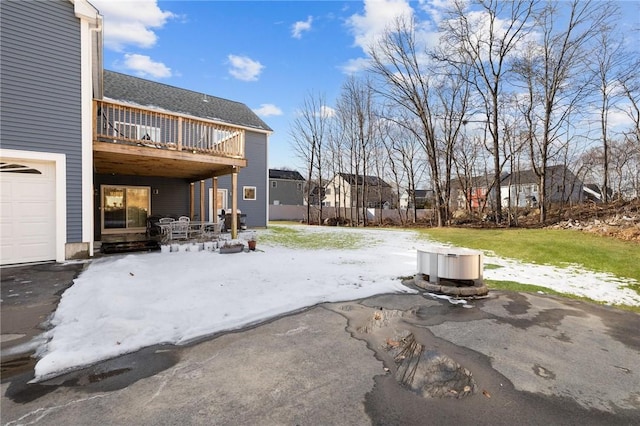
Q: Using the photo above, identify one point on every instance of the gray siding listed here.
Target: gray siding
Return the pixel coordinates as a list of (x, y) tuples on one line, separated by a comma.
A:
[(255, 174), (286, 192), (40, 88)]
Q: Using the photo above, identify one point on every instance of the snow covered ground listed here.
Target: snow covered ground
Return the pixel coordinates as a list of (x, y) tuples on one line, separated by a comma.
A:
[(126, 302)]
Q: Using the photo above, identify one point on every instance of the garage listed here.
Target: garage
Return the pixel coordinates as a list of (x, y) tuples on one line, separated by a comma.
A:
[(27, 211)]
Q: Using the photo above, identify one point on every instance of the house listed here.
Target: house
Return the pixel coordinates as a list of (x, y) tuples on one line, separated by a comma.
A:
[(46, 159), (476, 192), (424, 198), (521, 188), (593, 192), (175, 155), (316, 193), (348, 190), (89, 154), (286, 187), (518, 189)]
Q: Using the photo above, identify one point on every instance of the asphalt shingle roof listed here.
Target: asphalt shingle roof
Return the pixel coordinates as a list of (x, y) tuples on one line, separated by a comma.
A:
[(150, 94), (370, 180), (285, 174)]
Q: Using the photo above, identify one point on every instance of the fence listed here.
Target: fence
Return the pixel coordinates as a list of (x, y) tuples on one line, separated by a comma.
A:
[(299, 214)]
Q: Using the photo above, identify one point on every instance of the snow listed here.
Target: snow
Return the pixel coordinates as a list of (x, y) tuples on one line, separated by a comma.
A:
[(123, 303)]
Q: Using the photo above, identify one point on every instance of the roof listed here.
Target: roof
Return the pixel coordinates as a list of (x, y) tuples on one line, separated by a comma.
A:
[(424, 193), (529, 176), (146, 93), (481, 181), (360, 180), (285, 174)]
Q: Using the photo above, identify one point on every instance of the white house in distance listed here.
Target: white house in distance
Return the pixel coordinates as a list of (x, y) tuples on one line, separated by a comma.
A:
[(345, 190)]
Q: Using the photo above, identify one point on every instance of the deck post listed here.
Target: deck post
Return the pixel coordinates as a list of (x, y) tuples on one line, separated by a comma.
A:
[(234, 205), (202, 200), (214, 199), (192, 200)]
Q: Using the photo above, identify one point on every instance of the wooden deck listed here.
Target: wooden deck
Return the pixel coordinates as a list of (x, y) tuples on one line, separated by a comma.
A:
[(145, 142)]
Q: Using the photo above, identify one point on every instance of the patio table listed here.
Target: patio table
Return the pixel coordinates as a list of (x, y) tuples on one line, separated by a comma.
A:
[(191, 229)]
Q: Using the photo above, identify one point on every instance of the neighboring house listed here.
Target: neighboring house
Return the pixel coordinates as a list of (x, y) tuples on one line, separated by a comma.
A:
[(521, 189), (317, 193), (347, 190), (593, 192), (473, 192), (286, 187), (82, 160), (424, 198)]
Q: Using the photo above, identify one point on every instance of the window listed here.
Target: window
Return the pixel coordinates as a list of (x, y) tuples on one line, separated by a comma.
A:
[(248, 192), (327, 191), (125, 208), (274, 184), (299, 186)]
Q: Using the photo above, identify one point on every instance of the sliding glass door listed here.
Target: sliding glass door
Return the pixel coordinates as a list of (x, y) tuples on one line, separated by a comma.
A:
[(125, 208)]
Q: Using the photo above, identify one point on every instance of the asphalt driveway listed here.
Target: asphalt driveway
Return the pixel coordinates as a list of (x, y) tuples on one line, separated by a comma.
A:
[(530, 359)]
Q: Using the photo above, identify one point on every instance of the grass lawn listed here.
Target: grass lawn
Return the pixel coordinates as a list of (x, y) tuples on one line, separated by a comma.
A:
[(549, 246), (294, 238)]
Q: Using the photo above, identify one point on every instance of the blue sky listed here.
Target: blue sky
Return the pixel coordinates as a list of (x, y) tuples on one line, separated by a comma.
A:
[(268, 55)]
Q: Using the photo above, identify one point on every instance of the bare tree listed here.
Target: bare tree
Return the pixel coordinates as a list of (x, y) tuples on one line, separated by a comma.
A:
[(401, 65), (485, 41), (607, 65), (453, 99), (308, 134), (553, 71), (406, 162), (356, 115)]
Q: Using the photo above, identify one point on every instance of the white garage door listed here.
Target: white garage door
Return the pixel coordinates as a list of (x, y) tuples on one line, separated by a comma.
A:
[(27, 211)]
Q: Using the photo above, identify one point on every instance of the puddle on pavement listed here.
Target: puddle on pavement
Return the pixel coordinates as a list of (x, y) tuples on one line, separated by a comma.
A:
[(14, 366), (418, 361), (106, 376)]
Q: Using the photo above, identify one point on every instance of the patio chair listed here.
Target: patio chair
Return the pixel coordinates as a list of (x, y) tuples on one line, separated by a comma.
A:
[(166, 220), (180, 229), (184, 219)]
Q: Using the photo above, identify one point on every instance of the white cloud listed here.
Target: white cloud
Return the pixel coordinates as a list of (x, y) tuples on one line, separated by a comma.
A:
[(354, 66), (244, 68), (378, 15), (267, 110), (131, 23), (299, 27), (327, 112), (436, 8), (144, 66)]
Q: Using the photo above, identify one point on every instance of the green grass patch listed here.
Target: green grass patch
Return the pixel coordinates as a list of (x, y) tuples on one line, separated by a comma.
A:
[(295, 238), (530, 288), (491, 266), (550, 246)]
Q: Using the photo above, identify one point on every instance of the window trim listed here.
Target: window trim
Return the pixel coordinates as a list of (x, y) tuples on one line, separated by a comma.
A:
[(249, 188)]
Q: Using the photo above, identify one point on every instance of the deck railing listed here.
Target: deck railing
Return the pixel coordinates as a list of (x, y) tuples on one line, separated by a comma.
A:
[(118, 123)]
